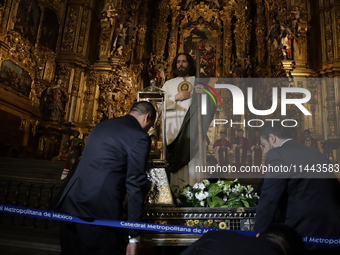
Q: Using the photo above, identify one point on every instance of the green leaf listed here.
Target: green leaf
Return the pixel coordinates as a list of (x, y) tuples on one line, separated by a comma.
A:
[(246, 204), (215, 202), (214, 189), (232, 196), (209, 202)]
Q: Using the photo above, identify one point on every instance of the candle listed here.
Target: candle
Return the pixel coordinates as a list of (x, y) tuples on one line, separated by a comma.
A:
[(71, 110), (324, 125)]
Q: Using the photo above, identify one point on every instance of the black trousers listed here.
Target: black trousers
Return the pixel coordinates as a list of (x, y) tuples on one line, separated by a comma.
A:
[(83, 239)]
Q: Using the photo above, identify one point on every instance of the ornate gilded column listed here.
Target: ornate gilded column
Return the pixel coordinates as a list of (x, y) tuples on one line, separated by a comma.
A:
[(331, 109), (242, 30), (328, 31), (260, 31), (77, 34), (141, 33), (89, 98), (160, 34), (227, 42), (175, 11)]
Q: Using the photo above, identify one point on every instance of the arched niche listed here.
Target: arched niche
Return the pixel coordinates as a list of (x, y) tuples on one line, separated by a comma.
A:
[(27, 20), (49, 30)]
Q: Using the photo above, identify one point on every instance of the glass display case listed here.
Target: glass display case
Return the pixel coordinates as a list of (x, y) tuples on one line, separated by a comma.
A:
[(160, 193)]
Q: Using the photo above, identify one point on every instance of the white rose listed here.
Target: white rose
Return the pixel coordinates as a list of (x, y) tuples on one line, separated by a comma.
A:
[(201, 186)]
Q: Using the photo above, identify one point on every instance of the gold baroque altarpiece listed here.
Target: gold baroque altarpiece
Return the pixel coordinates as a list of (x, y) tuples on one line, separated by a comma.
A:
[(105, 51)]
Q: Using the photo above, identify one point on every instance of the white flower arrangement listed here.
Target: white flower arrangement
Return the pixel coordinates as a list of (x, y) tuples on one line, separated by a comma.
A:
[(220, 194)]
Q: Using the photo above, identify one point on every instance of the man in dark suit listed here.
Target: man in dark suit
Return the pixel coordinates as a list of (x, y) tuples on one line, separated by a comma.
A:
[(113, 164), (305, 200), (278, 239)]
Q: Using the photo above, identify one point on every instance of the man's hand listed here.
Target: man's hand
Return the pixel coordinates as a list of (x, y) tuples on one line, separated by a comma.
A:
[(183, 95), (131, 249)]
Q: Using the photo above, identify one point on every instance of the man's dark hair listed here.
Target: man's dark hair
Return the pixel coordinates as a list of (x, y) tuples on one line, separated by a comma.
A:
[(223, 132), (142, 108), (286, 238), (307, 130), (276, 129), (191, 64)]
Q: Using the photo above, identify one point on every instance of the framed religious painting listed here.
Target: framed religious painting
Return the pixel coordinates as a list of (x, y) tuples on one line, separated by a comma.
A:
[(200, 40)]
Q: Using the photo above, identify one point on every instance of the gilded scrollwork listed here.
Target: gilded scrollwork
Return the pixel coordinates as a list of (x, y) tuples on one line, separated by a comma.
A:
[(160, 34), (89, 96), (21, 50), (260, 31), (2, 11), (141, 33), (70, 29), (83, 30), (312, 86), (76, 81), (330, 99), (117, 94), (63, 73), (329, 34)]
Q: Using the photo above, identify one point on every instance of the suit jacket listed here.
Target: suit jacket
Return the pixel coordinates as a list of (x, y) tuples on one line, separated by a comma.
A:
[(113, 164), (308, 204), (228, 242)]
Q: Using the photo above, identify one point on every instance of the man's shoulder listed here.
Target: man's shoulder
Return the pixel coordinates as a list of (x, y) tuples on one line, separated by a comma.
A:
[(295, 149)]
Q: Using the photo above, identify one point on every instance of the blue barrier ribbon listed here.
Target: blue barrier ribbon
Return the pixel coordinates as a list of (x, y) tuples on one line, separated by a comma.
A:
[(315, 240)]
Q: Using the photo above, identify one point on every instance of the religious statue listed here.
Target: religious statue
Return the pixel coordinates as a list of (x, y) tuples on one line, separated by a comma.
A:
[(274, 34), (53, 101), (110, 14), (118, 37), (130, 32), (297, 18), (75, 147), (286, 41)]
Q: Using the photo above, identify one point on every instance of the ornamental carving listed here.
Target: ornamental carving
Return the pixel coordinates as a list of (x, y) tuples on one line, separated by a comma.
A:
[(2, 11), (83, 30), (117, 94), (141, 32), (330, 99), (160, 34), (38, 86), (338, 26), (63, 73), (89, 94), (76, 81), (312, 86), (260, 31), (21, 50), (70, 29), (329, 34), (157, 69)]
